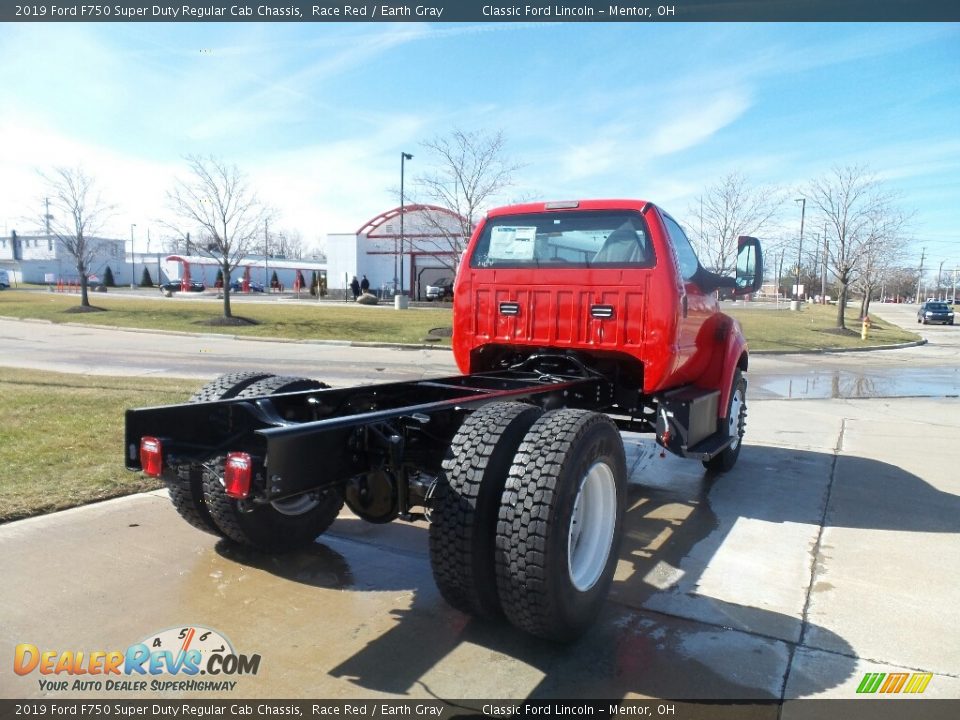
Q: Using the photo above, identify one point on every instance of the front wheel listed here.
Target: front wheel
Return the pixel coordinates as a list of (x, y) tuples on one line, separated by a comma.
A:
[(734, 425), (560, 524)]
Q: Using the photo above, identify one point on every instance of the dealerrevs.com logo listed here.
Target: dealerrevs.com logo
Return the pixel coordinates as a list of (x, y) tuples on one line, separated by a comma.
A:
[(193, 658)]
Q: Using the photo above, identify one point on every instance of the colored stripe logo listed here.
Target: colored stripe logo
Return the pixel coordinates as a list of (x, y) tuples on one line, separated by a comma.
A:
[(887, 683)]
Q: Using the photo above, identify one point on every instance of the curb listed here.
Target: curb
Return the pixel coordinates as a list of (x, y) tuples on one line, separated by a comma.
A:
[(828, 351)]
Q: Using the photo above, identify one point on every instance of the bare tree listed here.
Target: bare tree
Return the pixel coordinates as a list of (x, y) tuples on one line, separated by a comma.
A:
[(286, 243), (726, 211), (77, 214), (879, 260), (471, 169), (218, 200), (861, 218)]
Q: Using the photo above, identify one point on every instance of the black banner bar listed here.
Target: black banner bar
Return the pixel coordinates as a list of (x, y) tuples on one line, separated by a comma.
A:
[(852, 709), (486, 11)]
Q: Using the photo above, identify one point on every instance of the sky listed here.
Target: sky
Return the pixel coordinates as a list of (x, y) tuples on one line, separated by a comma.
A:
[(317, 115)]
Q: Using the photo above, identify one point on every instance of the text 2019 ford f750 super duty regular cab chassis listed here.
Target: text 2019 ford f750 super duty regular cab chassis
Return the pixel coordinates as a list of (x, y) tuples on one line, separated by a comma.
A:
[(572, 321)]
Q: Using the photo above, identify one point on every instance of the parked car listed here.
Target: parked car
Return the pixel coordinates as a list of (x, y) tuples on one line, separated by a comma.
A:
[(935, 312), (440, 289), (237, 286), (4, 280), (177, 285)]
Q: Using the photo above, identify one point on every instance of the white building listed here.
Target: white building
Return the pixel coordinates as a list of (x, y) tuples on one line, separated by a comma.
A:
[(255, 268), (424, 254), (42, 258)]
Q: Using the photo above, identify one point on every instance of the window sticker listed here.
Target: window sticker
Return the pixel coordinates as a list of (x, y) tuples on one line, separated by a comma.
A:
[(512, 243)]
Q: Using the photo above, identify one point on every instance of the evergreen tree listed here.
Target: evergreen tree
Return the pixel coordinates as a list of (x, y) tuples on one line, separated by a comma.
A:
[(274, 281), (145, 279), (314, 283), (108, 280)]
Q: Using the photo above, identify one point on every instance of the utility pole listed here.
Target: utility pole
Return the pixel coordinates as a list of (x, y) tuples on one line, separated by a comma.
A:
[(940, 279), (954, 302), (823, 274), (266, 253), (803, 212), (403, 157), (133, 257), (923, 254)]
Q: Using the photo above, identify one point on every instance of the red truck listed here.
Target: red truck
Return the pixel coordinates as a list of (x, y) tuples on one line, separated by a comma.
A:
[(573, 321)]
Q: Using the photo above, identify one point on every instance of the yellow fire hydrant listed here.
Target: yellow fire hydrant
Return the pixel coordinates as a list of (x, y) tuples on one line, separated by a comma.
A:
[(865, 327)]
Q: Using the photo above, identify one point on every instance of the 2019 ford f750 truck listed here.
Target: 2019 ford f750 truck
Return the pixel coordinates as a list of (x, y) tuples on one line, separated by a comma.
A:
[(573, 321)]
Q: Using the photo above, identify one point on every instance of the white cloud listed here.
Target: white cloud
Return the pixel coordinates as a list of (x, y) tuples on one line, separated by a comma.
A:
[(692, 124)]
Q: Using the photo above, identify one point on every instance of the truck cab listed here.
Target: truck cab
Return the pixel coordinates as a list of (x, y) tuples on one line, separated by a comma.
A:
[(615, 283)]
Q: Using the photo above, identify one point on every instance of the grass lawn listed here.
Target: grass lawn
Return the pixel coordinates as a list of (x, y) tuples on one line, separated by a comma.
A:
[(61, 439), (323, 321), (812, 328)]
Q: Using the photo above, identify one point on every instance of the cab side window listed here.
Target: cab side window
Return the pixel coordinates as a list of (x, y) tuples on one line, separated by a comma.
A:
[(685, 254)]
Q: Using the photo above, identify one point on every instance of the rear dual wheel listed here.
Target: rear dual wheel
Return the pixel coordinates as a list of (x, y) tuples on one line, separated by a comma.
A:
[(275, 527), (528, 517), (185, 482), (467, 503), (560, 524)]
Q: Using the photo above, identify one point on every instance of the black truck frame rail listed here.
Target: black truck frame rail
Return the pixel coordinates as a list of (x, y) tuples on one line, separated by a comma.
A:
[(382, 445)]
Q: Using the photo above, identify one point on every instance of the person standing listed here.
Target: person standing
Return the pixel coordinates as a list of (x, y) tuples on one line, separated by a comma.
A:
[(364, 285), (355, 287)]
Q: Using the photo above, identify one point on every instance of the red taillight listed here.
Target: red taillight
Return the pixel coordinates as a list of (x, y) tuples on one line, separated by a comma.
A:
[(151, 456), (237, 474)]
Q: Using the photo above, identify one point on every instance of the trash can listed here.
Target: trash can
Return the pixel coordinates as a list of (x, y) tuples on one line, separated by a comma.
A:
[(401, 302), (794, 304)]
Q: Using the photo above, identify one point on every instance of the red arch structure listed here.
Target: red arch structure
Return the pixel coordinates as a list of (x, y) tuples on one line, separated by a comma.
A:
[(383, 217)]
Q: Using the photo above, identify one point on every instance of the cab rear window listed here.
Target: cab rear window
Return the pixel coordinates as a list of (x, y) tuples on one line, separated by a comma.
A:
[(565, 239)]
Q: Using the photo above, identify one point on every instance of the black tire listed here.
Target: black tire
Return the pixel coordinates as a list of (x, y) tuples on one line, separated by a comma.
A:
[(185, 482), (535, 563), (467, 502), (733, 425), (227, 386), (273, 527)]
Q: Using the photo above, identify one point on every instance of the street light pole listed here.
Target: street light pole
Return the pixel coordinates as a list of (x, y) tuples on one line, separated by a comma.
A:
[(823, 271), (803, 212), (403, 157), (940, 279), (133, 256)]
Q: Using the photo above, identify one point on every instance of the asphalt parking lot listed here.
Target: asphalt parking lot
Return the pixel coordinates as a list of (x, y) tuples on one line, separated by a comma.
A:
[(830, 551)]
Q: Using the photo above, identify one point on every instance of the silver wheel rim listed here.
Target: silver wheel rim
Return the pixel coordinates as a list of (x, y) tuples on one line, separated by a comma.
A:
[(733, 422), (592, 525), (296, 505)]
